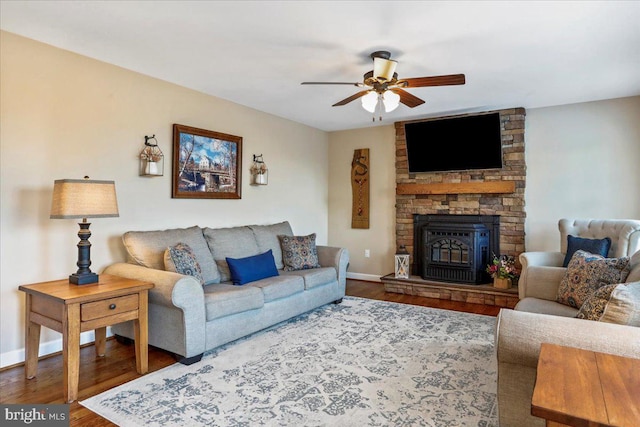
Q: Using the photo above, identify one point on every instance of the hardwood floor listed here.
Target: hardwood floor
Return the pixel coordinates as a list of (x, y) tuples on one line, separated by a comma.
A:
[(98, 374)]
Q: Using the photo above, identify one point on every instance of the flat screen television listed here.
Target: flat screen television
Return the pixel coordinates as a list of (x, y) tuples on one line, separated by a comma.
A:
[(454, 144)]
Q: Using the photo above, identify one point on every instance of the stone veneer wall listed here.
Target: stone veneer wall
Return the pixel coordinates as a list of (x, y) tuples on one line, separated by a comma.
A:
[(510, 207)]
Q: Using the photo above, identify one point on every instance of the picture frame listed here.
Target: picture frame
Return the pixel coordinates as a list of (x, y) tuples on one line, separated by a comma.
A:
[(206, 164)]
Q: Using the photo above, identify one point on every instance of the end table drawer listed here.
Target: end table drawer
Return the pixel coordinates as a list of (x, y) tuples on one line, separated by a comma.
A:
[(108, 307)]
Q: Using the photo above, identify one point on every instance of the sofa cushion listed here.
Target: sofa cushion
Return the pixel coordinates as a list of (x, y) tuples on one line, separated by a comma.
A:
[(277, 287), (299, 252), (223, 299), (235, 242), (594, 246), (315, 277), (587, 272), (593, 307), (147, 248), (624, 305), (181, 259), (543, 306), (250, 269), (267, 238)]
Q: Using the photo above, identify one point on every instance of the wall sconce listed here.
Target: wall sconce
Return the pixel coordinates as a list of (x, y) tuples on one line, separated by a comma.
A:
[(151, 158), (402, 263), (259, 171)]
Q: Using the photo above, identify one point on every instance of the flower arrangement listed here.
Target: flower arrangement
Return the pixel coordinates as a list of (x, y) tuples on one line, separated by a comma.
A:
[(503, 267)]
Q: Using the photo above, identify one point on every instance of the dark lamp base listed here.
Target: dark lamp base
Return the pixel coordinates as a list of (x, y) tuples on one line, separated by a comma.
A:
[(83, 279)]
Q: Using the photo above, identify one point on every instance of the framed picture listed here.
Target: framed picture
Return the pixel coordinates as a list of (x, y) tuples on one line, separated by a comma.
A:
[(206, 164)]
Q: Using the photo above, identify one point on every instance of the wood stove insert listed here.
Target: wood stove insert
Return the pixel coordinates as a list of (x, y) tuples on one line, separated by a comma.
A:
[(455, 248)]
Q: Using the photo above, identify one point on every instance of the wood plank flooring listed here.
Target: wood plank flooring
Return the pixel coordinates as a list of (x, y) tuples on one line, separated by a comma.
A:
[(98, 374)]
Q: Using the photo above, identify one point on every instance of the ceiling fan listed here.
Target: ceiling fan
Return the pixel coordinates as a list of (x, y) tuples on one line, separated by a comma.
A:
[(384, 89)]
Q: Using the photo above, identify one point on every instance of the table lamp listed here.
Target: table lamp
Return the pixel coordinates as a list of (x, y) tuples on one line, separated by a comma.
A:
[(84, 198)]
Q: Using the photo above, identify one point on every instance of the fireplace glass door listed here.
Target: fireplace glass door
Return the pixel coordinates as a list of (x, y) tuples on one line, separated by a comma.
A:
[(449, 251)]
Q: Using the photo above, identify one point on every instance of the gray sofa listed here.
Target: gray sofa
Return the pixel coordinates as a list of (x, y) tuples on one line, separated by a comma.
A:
[(538, 318), (188, 318)]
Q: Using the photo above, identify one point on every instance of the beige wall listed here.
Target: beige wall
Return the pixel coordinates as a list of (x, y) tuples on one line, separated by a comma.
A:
[(583, 161), (66, 116), (380, 237)]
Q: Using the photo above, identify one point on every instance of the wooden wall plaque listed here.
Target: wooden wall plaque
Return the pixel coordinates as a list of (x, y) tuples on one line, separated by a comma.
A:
[(360, 188)]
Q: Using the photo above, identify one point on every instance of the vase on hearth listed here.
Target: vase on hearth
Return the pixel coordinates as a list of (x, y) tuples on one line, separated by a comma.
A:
[(502, 283)]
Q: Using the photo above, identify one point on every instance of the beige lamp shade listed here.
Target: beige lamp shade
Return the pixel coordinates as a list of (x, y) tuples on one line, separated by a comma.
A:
[(84, 198), (384, 68)]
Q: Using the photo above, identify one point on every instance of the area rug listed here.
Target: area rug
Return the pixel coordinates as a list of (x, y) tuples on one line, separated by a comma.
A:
[(359, 363)]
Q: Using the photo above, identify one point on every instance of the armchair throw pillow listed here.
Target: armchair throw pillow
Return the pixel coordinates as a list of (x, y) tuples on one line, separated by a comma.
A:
[(595, 246), (623, 307), (587, 272), (593, 307), (299, 252), (181, 259), (250, 269)]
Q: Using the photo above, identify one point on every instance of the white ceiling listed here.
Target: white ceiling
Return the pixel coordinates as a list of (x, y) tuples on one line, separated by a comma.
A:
[(256, 53)]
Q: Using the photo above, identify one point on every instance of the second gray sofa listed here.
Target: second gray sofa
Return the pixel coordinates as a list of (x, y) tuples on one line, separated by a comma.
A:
[(188, 318)]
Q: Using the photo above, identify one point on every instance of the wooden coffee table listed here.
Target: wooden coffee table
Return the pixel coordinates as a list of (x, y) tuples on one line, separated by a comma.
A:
[(71, 309), (577, 387)]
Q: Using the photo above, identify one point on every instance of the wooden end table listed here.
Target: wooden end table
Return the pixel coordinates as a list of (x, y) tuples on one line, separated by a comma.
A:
[(577, 387), (71, 309)]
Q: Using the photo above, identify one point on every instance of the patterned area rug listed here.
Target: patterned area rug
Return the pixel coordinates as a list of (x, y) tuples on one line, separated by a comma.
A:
[(360, 363)]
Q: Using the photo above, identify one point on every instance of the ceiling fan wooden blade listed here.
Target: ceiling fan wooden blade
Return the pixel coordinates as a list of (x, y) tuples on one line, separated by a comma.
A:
[(351, 98), (331, 83), (447, 80), (407, 99)]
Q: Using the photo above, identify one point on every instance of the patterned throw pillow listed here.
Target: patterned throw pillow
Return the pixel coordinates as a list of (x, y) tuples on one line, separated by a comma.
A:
[(181, 259), (587, 272), (593, 307), (299, 252)]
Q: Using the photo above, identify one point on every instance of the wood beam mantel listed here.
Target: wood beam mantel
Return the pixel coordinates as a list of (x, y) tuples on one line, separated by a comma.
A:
[(484, 187)]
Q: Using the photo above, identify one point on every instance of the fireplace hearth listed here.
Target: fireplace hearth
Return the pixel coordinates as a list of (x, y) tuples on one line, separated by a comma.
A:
[(455, 248)]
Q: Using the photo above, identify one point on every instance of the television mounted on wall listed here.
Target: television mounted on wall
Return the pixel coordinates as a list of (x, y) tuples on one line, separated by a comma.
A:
[(454, 143)]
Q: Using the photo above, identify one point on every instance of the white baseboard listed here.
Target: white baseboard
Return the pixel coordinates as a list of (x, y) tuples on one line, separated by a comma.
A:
[(17, 356), (365, 277)]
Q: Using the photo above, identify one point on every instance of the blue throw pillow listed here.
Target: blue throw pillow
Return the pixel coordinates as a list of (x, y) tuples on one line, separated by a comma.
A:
[(593, 246), (250, 269)]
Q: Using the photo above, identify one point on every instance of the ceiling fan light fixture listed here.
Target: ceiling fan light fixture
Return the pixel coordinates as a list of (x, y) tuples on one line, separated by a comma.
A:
[(383, 69), (370, 101), (391, 101)]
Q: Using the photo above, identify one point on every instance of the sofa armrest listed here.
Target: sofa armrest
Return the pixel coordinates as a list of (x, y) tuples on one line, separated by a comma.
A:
[(548, 259), (519, 335), (540, 282), (171, 289), (338, 258)]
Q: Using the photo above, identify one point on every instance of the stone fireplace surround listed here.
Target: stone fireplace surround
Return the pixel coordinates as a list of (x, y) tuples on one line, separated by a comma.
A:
[(477, 192)]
